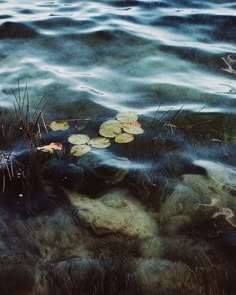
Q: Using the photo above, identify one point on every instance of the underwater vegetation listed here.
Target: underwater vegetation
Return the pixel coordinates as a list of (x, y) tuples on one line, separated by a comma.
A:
[(112, 205)]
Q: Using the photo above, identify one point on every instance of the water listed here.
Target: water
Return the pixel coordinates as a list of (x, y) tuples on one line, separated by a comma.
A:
[(174, 64)]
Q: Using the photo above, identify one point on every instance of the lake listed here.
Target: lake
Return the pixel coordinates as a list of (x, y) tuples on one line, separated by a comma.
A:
[(118, 147)]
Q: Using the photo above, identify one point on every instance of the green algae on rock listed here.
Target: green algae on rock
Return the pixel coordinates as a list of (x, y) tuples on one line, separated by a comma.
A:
[(200, 198), (116, 213)]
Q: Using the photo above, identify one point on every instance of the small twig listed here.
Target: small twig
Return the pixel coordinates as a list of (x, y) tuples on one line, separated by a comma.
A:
[(71, 120), (3, 132), (190, 126), (155, 115), (12, 169), (177, 113), (39, 132), (232, 188), (230, 68), (24, 97), (17, 102), (3, 181), (207, 258), (37, 108), (165, 114), (202, 108), (44, 123), (27, 109), (6, 165)]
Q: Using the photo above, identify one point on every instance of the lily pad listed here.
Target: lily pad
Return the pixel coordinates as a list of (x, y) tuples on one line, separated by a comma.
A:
[(110, 128), (132, 129), (78, 139), (124, 138), (80, 149), (59, 125), (99, 142), (110, 132), (127, 117), (110, 123), (136, 123)]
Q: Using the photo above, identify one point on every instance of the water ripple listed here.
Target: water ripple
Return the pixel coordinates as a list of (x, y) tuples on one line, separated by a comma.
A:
[(118, 53)]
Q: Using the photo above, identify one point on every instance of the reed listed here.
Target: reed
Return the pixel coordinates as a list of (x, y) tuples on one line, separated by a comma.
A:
[(26, 126), (29, 124)]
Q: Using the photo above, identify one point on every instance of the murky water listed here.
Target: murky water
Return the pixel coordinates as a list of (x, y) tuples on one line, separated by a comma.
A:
[(152, 216)]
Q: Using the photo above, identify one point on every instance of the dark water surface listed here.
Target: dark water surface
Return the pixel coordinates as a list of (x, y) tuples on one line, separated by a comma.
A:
[(157, 214)]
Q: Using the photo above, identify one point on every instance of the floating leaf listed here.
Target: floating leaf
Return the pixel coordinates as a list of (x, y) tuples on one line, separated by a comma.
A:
[(110, 128), (124, 138), (54, 146), (136, 123), (99, 142), (80, 149), (110, 132), (127, 117), (110, 123), (59, 125), (132, 129), (78, 139)]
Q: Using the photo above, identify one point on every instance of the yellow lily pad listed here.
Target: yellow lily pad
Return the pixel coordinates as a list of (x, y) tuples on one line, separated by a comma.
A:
[(127, 117), (124, 138), (59, 125), (100, 142), (110, 123), (132, 129), (78, 139), (110, 131), (80, 149)]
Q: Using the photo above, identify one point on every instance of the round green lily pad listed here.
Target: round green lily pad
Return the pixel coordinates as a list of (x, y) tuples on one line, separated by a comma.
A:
[(99, 142), (110, 123), (59, 125), (80, 149), (127, 117), (78, 139), (132, 129), (110, 130), (124, 138)]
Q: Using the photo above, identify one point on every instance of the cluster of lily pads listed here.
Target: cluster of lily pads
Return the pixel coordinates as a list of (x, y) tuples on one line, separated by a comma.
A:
[(122, 129)]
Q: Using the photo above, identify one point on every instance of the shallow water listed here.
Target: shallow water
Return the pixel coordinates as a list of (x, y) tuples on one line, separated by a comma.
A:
[(174, 64)]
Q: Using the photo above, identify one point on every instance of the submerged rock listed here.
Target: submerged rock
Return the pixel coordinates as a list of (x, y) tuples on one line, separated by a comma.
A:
[(107, 168), (198, 199), (218, 194), (117, 212), (180, 208), (221, 173), (152, 247), (160, 273)]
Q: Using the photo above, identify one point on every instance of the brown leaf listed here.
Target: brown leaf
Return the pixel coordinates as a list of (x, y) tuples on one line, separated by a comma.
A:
[(50, 148)]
